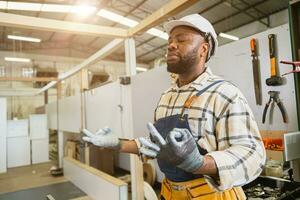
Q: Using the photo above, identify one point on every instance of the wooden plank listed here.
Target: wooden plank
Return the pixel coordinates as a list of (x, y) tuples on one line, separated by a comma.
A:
[(96, 184), (35, 23), (33, 79), (168, 10)]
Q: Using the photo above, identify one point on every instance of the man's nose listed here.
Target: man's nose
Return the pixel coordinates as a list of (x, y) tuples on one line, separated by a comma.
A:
[(172, 45)]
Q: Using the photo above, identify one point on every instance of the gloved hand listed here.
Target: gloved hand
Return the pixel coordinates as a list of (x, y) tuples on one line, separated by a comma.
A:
[(149, 148), (185, 153), (102, 138)]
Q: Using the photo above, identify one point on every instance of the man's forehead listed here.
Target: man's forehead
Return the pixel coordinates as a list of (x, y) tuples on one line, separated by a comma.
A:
[(184, 29)]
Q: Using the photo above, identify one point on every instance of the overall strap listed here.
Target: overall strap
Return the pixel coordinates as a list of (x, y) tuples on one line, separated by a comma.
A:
[(190, 100), (207, 87)]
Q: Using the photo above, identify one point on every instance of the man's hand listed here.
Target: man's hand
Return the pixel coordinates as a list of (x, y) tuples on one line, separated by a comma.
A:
[(185, 153), (149, 148), (102, 138)]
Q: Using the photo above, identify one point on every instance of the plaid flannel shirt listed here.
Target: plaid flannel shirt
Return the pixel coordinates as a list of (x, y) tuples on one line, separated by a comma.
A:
[(223, 124)]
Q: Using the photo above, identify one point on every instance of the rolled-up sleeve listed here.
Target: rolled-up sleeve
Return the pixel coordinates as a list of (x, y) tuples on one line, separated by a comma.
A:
[(240, 155)]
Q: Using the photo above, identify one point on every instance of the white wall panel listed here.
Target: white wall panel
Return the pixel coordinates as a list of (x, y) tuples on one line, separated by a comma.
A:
[(3, 122), (234, 63), (146, 91), (103, 108), (70, 114)]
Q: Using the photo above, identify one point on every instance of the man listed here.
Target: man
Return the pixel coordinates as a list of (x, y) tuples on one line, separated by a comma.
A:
[(205, 138)]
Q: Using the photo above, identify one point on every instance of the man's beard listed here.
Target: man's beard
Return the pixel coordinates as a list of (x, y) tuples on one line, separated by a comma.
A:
[(184, 64)]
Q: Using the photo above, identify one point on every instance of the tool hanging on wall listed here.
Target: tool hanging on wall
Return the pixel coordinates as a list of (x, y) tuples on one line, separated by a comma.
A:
[(256, 72), (296, 66), (274, 98), (275, 79)]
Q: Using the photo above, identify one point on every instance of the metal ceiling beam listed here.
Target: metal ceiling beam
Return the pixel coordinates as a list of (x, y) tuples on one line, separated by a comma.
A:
[(239, 12), (254, 20), (248, 14), (211, 7), (254, 8), (171, 8), (11, 20), (151, 51)]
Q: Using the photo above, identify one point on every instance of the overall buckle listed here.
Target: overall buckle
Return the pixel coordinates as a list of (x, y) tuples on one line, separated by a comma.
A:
[(178, 187)]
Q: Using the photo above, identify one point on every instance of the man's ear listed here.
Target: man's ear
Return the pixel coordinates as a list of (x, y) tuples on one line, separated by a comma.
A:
[(204, 50)]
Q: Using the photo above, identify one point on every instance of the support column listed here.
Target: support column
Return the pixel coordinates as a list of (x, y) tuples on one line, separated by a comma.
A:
[(136, 166), (84, 86), (60, 134)]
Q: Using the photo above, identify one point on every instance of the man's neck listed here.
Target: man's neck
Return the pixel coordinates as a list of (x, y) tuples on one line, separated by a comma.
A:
[(184, 79)]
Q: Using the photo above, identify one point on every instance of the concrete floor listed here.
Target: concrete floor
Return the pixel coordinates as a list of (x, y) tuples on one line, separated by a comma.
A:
[(20, 179), (32, 176)]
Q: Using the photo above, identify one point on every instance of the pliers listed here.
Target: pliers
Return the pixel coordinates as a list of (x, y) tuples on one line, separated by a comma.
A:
[(274, 97), (296, 66)]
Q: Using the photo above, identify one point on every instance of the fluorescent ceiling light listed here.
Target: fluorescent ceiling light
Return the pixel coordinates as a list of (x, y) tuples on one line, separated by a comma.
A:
[(56, 8), (23, 38), (117, 18), (24, 6), (142, 69), (129, 22), (83, 10), (14, 59), (61, 8), (231, 37), (158, 33)]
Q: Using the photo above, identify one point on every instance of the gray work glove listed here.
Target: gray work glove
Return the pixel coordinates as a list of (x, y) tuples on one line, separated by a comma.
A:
[(185, 153), (102, 138), (149, 148)]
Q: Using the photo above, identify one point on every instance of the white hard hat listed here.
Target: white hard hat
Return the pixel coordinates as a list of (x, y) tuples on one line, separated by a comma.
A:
[(199, 23)]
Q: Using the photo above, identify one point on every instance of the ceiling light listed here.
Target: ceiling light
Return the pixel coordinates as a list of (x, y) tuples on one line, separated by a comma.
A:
[(56, 8), (83, 10), (14, 59), (23, 38), (117, 18), (158, 33), (24, 6), (61, 8), (129, 22), (142, 69), (231, 37)]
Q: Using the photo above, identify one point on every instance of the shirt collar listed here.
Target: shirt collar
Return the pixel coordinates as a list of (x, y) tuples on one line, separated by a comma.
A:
[(197, 83)]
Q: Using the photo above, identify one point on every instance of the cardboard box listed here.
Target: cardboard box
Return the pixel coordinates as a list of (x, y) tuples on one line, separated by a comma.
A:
[(274, 155), (70, 149), (102, 159)]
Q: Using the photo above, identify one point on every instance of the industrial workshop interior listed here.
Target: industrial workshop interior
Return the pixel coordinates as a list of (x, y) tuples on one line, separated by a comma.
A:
[(149, 99)]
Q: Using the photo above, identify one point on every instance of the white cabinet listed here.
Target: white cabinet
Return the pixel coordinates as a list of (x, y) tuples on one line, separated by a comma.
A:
[(17, 128), (3, 122), (18, 151), (18, 143), (39, 150), (39, 135), (38, 126)]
